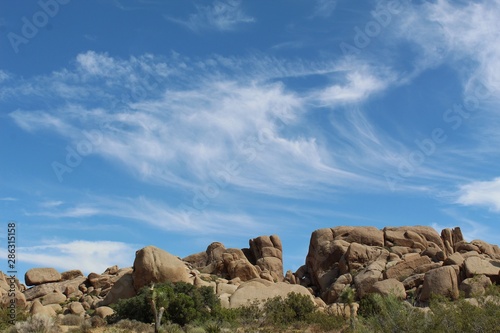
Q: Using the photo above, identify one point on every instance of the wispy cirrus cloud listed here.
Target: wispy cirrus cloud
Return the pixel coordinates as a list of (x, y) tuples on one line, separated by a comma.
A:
[(481, 193), (221, 15), (324, 8), (8, 199)]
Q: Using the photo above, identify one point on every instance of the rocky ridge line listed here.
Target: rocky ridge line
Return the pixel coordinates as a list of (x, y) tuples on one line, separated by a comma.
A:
[(411, 262)]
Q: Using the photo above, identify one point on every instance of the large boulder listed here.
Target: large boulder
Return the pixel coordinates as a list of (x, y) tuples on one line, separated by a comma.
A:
[(267, 254), (359, 255), (476, 286), (123, 288), (261, 290), (419, 237), (367, 277), (153, 265), (55, 297), (478, 266), (389, 287), (70, 275), (440, 281), (37, 276), (237, 266), (406, 268), (104, 311), (47, 288), (19, 299)]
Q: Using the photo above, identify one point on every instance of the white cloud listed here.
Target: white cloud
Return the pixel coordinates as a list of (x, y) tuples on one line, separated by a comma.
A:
[(223, 15), (358, 82), (3, 76), (49, 204), (8, 199), (481, 193), (464, 35), (324, 8), (88, 256), (74, 212)]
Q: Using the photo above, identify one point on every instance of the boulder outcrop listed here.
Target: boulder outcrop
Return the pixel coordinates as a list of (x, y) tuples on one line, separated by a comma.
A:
[(341, 261), (153, 265)]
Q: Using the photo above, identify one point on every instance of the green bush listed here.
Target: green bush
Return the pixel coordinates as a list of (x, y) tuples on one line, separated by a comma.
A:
[(295, 307), (183, 303), (387, 314)]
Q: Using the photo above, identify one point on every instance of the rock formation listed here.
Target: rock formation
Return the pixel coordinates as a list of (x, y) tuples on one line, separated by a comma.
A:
[(402, 261), (415, 260)]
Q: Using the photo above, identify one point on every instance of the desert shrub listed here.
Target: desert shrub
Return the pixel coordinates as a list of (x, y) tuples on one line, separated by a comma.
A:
[(5, 319), (171, 328), (213, 328), (295, 307), (325, 322), (72, 320), (97, 321), (194, 329), (461, 316), (183, 303), (388, 314), (133, 326), (37, 324)]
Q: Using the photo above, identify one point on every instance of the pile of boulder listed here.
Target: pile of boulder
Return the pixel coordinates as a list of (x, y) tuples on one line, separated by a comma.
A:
[(405, 261), (408, 262)]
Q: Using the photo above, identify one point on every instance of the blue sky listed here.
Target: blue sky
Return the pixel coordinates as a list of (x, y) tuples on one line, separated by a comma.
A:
[(178, 123)]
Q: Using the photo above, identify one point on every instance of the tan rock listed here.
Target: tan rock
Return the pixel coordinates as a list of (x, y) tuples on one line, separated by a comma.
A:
[(225, 288), (440, 281), (358, 255), (197, 260), (389, 287), (427, 267), (322, 261), (47, 288), (20, 299), (38, 309), (420, 237), (454, 259), (153, 265), (400, 250), (476, 286), (37, 276), (365, 279), (70, 275), (104, 311), (406, 268), (414, 281), (76, 308), (113, 270), (55, 297), (262, 290), (477, 266), (267, 253), (463, 246), (123, 288)]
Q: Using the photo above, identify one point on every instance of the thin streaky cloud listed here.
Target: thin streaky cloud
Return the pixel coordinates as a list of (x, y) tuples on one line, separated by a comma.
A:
[(8, 199), (224, 15)]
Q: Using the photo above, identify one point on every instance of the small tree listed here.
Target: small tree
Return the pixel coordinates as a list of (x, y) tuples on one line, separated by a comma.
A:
[(157, 313)]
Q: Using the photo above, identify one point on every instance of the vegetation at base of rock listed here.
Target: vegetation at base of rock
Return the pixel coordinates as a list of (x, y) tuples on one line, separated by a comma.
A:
[(183, 303), (388, 314)]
